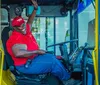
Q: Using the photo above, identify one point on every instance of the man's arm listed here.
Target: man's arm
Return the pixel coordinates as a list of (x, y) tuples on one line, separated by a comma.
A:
[(20, 50), (31, 18)]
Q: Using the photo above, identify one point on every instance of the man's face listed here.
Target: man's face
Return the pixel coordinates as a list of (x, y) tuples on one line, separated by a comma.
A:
[(22, 28)]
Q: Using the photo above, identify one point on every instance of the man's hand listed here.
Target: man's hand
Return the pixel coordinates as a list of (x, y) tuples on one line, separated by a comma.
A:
[(31, 18), (35, 4), (41, 52)]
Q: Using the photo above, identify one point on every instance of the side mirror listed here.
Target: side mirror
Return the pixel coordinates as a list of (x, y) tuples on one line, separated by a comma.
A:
[(18, 10), (64, 11)]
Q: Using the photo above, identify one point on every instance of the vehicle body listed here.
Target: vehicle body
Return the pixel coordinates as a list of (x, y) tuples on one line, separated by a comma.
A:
[(60, 27)]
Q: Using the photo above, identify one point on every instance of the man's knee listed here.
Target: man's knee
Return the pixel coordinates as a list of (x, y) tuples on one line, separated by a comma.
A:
[(49, 55)]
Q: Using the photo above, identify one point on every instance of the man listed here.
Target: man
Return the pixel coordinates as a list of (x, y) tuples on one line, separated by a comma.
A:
[(23, 47)]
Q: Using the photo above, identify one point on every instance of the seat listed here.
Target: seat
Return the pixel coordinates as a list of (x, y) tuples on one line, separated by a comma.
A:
[(21, 78)]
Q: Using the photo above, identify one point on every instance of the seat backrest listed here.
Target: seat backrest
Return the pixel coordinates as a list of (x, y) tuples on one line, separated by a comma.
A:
[(8, 62), (23, 79)]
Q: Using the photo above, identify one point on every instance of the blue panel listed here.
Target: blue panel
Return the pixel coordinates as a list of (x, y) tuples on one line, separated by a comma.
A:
[(83, 5), (30, 9), (89, 82)]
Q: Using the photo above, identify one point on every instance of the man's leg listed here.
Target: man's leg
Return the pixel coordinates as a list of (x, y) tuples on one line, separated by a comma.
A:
[(44, 64)]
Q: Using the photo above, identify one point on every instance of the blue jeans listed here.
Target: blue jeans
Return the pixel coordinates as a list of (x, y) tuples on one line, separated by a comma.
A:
[(44, 64)]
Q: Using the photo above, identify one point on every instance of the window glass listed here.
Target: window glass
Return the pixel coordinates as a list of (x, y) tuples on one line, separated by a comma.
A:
[(50, 33), (38, 30), (62, 31), (4, 21), (4, 15), (86, 26)]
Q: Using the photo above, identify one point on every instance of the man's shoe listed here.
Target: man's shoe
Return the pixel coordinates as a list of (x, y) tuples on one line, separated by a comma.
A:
[(72, 82)]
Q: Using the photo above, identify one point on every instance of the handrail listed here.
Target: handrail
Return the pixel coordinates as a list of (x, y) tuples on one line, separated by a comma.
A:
[(95, 52), (1, 67), (63, 42), (95, 67)]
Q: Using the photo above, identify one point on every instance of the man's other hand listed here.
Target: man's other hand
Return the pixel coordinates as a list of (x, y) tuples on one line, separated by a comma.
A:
[(41, 51)]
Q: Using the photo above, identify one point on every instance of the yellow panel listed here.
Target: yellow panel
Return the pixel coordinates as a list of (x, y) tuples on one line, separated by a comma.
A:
[(1, 44), (7, 78), (1, 63), (3, 83)]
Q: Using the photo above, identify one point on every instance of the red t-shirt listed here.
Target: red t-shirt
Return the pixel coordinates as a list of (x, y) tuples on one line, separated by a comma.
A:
[(19, 38)]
